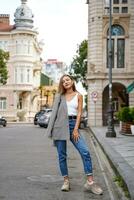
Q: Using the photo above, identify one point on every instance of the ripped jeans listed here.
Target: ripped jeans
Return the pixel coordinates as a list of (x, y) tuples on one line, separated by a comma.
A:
[(80, 145)]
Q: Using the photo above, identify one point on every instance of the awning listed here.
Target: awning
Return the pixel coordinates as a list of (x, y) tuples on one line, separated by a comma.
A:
[(130, 87)]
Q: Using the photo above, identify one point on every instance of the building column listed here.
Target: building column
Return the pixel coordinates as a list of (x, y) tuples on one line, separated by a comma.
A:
[(131, 99), (95, 104)]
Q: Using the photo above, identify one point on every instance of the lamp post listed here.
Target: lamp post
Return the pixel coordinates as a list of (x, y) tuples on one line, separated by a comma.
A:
[(47, 94), (41, 96), (54, 92), (110, 132)]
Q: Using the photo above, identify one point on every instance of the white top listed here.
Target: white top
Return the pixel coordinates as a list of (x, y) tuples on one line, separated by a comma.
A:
[(72, 106)]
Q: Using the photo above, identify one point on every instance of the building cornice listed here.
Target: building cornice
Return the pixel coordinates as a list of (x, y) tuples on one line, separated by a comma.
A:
[(103, 76), (117, 16)]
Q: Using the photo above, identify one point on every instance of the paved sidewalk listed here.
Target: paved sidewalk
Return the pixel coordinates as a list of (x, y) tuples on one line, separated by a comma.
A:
[(120, 151)]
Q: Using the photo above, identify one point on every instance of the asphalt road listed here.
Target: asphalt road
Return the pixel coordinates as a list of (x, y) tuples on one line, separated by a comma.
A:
[(29, 169)]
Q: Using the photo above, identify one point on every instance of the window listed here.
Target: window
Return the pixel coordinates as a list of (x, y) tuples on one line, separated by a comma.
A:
[(17, 47), (28, 48), (28, 75), (4, 45), (0, 44), (117, 30), (19, 106), (120, 6), (22, 75), (118, 47), (115, 9), (16, 75), (3, 103), (112, 53), (120, 53), (124, 9), (20, 48), (116, 1), (124, 1)]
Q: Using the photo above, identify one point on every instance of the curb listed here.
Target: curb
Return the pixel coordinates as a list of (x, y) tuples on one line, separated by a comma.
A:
[(120, 166), (19, 124)]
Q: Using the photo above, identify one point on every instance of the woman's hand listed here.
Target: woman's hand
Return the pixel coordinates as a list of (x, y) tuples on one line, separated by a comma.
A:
[(76, 135)]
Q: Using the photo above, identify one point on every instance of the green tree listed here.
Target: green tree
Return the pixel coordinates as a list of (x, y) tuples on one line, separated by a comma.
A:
[(79, 64), (4, 56)]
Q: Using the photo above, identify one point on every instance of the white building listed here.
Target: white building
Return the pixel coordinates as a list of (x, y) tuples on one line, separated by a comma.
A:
[(19, 97), (54, 69), (122, 57)]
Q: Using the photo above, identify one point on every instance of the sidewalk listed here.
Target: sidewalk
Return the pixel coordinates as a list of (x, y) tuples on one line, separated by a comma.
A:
[(20, 124), (120, 151)]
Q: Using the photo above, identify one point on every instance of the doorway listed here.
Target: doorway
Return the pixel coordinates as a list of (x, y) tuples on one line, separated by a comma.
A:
[(120, 99)]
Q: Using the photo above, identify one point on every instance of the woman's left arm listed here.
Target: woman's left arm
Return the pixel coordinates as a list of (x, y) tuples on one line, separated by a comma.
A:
[(80, 108)]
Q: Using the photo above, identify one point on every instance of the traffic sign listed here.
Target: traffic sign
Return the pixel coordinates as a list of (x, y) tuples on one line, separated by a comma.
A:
[(94, 96)]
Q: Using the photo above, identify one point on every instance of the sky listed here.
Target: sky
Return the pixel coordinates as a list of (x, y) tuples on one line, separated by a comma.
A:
[(62, 25)]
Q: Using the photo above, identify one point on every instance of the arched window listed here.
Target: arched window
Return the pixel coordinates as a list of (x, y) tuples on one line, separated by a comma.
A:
[(118, 47), (3, 103)]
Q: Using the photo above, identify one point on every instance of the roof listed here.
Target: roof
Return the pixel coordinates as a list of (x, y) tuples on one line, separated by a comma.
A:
[(5, 27)]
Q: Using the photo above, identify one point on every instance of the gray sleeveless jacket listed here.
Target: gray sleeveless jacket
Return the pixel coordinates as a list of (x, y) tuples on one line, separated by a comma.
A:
[(58, 127)]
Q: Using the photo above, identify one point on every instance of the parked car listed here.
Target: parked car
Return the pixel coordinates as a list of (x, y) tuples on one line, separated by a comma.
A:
[(43, 119), (37, 116), (3, 121), (84, 120)]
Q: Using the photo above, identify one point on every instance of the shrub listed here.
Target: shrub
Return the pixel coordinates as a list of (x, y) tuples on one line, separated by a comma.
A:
[(132, 113), (126, 114)]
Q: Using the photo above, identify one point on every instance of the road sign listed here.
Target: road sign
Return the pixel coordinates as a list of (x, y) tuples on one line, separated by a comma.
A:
[(94, 96), (130, 87)]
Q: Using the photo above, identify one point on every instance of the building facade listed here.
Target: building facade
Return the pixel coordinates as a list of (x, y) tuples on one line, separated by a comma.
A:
[(19, 97), (54, 69), (47, 91), (98, 63)]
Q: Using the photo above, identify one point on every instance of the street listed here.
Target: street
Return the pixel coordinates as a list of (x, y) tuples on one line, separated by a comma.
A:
[(29, 169)]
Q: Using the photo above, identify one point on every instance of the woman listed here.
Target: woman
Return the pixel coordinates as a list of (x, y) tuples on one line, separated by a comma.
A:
[(64, 125)]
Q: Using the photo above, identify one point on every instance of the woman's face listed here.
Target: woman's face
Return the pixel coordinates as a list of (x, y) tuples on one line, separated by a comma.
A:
[(67, 82)]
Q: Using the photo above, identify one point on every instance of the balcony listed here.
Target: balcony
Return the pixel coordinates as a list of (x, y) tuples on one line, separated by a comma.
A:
[(18, 87)]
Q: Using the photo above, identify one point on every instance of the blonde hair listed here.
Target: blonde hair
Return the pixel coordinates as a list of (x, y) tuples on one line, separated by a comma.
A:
[(61, 88)]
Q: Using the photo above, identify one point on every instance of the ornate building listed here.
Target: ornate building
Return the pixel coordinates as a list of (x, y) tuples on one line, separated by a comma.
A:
[(19, 97), (122, 57)]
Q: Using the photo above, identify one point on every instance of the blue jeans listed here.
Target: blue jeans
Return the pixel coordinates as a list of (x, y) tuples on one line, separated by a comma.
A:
[(82, 148)]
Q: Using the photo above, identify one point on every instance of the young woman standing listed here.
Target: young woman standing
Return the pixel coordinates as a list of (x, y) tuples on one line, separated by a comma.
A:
[(63, 125)]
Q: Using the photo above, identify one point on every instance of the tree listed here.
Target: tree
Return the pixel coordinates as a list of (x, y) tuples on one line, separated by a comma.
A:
[(4, 56), (79, 64)]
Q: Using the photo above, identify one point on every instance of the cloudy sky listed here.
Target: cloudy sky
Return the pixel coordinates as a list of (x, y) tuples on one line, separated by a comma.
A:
[(62, 24)]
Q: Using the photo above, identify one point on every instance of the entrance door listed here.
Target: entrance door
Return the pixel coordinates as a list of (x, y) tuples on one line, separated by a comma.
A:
[(120, 99)]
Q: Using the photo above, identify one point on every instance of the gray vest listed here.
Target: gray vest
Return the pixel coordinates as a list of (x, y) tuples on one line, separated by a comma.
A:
[(58, 127)]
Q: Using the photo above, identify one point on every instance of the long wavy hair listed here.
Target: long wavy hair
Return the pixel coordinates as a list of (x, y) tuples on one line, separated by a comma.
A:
[(61, 88)]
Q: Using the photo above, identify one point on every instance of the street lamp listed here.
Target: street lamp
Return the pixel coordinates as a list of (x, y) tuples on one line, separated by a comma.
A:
[(41, 96), (47, 94), (54, 92), (110, 132)]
